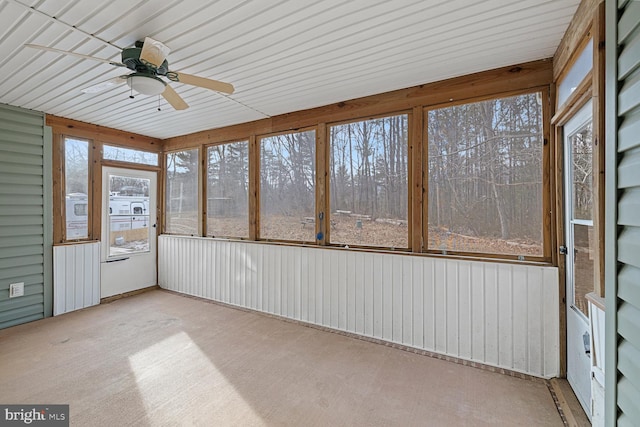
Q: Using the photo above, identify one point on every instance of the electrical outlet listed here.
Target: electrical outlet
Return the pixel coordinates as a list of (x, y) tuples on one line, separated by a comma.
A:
[(16, 290)]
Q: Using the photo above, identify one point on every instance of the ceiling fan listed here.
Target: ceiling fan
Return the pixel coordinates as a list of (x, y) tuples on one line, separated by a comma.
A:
[(149, 64)]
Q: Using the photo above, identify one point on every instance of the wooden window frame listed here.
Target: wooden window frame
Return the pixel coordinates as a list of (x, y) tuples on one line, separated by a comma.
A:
[(592, 88), (205, 177), (94, 203), (536, 76), (127, 164), (60, 192), (548, 237), (569, 65), (256, 182), (97, 136), (199, 190), (324, 172)]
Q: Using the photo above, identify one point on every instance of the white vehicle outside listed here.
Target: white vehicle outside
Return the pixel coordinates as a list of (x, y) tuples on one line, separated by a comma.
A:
[(125, 213)]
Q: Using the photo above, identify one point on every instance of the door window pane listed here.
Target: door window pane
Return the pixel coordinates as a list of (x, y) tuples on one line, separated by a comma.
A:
[(228, 190), (485, 177), (582, 172), (128, 215), (287, 186), (76, 178), (181, 210), (583, 265), (368, 182)]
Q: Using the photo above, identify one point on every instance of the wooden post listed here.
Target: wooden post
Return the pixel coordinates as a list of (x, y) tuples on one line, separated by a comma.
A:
[(161, 208), (202, 200), (553, 178), (254, 188), (562, 290), (547, 197), (322, 185), (599, 118), (424, 157), (416, 174), (95, 190), (58, 188)]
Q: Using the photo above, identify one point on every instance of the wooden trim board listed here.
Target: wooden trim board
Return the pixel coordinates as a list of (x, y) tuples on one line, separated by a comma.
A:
[(521, 77)]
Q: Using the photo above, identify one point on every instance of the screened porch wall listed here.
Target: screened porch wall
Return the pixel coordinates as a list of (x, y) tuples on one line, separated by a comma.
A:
[(503, 315)]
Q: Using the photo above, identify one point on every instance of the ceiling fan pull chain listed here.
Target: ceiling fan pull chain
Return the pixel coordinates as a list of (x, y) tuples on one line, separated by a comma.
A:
[(131, 95), (159, 103)]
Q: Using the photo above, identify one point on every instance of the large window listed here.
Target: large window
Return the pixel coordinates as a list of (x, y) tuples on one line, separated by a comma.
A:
[(368, 182), (228, 190), (287, 186), (485, 177), (76, 178), (181, 208), (446, 173)]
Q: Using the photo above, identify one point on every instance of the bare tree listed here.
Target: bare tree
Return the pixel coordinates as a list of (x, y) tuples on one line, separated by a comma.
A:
[(485, 169)]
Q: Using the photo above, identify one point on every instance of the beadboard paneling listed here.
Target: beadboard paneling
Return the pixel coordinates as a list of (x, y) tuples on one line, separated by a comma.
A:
[(76, 277)]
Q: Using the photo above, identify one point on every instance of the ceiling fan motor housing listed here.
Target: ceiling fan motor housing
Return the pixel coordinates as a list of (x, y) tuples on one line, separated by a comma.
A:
[(131, 58)]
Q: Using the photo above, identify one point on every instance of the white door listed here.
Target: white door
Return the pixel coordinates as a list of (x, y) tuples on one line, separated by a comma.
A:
[(578, 148), (128, 230)]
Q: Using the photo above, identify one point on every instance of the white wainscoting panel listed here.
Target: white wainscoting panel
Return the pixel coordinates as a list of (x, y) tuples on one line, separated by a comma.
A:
[(76, 277), (598, 345), (504, 315)]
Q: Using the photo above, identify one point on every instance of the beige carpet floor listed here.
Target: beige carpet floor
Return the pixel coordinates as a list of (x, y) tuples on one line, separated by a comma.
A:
[(163, 359)]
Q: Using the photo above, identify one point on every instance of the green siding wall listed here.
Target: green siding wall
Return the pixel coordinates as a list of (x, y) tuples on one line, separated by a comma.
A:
[(623, 213), (25, 215)]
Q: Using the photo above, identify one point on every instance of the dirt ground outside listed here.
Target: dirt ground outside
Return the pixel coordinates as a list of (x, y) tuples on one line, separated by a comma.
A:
[(357, 231), (129, 241), (128, 235)]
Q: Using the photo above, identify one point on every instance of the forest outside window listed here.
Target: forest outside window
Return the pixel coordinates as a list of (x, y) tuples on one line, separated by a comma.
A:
[(485, 191), (287, 186), (181, 207), (580, 226), (368, 182), (228, 190), (76, 179)]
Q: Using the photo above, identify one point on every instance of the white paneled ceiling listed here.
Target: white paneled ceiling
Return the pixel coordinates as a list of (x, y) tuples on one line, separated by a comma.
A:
[(281, 56)]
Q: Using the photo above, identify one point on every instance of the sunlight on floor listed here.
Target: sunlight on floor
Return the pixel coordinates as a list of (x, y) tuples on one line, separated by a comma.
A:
[(172, 372)]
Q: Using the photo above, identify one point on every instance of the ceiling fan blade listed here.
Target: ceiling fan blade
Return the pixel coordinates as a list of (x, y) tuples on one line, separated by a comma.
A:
[(79, 55), (107, 84), (174, 99), (153, 52), (203, 82)]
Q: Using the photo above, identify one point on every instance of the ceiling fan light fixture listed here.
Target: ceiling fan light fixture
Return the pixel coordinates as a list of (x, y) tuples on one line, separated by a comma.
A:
[(146, 85)]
